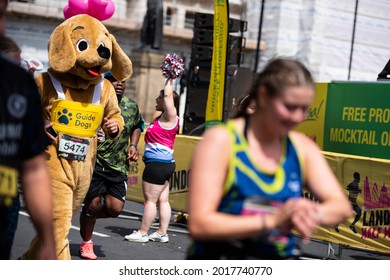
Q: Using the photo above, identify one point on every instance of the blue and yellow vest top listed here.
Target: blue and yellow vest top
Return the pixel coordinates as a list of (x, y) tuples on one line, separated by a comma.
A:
[(249, 189)]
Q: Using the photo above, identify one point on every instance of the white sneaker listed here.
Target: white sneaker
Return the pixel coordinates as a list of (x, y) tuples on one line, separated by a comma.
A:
[(136, 236), (155, 236)]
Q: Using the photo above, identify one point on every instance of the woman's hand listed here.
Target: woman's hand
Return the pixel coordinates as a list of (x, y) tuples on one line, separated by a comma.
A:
[(300, 214)]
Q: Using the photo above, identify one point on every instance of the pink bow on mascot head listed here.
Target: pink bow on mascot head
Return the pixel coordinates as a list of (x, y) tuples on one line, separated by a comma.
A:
[(99, 9)]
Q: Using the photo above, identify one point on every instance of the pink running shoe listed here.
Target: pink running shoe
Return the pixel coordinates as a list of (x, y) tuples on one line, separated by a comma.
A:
[(86, 251)]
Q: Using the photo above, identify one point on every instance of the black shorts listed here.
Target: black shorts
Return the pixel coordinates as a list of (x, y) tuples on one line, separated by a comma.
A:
[(105, 181), (158, 172)]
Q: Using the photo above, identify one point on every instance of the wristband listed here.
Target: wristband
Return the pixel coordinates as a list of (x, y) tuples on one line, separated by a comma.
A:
[(134, 145)]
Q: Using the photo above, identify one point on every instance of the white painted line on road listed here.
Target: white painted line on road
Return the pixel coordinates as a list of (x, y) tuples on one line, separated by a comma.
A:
[(94, 233), (73, 227), (24, 214)]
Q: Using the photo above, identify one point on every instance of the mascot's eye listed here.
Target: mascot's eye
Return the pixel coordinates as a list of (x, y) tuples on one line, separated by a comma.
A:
[(82, 45), (102, 45)]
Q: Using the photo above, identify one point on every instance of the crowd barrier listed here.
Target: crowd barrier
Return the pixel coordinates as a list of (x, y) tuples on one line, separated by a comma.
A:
[(349, 122)]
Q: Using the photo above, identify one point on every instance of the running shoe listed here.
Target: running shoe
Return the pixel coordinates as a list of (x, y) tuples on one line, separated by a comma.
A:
[(156, 237), (86, 251), (136, 236)]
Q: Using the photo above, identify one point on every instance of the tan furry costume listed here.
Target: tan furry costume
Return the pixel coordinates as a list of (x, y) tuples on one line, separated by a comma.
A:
[(80, 50)]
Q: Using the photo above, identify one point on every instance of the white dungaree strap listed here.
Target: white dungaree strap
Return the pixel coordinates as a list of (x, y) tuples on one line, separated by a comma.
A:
[(97, 92)]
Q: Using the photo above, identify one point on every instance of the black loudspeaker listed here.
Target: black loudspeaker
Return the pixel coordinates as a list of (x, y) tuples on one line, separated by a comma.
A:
[(199, 73), (238, 82), (236, 25), (202, 41), (195, 109), (201, 53), (202, 37), (205, 37), (206, 21), (203, 20), (200, 69)]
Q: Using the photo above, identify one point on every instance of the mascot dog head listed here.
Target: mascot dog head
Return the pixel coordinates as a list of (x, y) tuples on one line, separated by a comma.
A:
[(81, 49)]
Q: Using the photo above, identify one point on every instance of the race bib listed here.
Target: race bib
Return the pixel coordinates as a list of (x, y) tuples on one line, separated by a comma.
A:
[(8, 184), (262, 206), (73, 148), (259, 205)]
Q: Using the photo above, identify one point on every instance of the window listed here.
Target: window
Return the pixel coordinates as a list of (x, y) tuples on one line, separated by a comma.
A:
[(169, 15), (189, 20)]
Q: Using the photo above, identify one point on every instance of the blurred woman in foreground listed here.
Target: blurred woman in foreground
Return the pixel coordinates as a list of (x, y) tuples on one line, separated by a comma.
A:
[(247, 175)]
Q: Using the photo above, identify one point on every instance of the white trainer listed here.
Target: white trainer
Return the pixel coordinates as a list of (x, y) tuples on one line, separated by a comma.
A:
[(136, 236), (156, 237)]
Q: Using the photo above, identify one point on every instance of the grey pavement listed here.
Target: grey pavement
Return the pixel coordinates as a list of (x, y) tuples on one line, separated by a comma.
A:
[(109, 242)]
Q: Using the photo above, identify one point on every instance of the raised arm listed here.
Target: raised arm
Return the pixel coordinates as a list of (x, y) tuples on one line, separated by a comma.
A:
[(170, 112)]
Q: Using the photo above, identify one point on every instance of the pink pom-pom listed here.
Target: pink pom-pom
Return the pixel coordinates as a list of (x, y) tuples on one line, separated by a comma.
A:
[(172, 67)]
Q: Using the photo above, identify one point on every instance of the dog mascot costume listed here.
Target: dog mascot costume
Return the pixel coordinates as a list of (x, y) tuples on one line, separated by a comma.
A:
[(77, 101)]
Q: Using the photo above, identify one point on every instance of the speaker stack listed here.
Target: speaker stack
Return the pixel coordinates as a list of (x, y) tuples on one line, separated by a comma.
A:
[(200, 67)]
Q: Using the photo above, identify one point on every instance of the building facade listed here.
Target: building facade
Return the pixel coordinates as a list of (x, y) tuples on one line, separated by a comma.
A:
[(337, 40), (30, 23)]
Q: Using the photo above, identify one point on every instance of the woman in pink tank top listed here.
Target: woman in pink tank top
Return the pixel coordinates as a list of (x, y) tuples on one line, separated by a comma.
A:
[(159, 166)]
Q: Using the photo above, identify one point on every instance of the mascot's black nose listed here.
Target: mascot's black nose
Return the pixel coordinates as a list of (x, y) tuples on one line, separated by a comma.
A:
[(104, 52)]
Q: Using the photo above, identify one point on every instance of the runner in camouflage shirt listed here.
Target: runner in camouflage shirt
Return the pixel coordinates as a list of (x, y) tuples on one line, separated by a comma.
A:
[(107, 193), (113, 154)]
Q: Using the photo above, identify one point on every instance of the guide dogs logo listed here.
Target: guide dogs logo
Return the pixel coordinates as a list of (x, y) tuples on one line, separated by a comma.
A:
[(80, 120), (64, 116)]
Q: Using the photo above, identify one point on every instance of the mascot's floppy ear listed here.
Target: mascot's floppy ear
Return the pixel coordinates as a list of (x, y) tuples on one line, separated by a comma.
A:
[(122, 67), (62, 55)]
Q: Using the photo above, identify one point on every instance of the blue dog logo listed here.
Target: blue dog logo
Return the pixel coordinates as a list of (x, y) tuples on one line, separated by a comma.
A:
[(64, 116)]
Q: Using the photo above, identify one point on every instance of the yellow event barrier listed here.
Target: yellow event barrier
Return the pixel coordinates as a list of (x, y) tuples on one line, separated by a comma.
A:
[(184, 145), (349, 121), (372, 230)]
